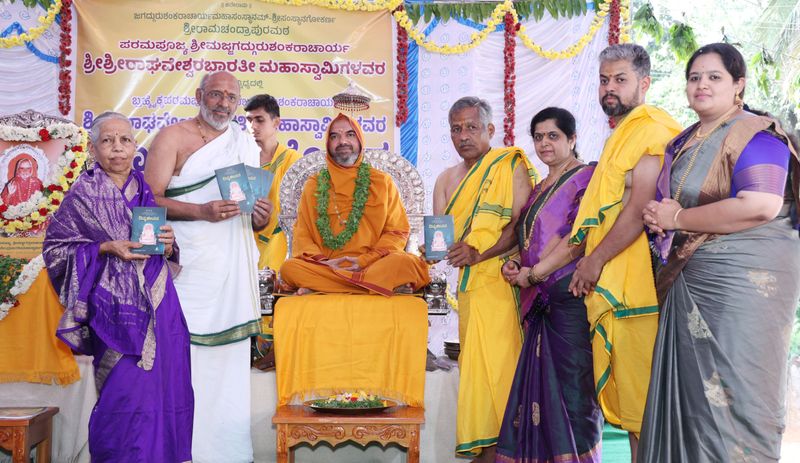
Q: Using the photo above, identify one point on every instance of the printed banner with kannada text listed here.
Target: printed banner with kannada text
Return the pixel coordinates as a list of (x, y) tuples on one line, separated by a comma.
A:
[(145, 59)]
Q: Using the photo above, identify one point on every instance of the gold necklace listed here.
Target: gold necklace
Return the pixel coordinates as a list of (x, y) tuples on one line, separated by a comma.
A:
[(696, 151), (722, 119), (200, 129), (551, 189)]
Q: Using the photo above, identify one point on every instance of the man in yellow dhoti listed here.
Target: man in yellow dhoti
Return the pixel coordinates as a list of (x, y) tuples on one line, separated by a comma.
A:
[(263, 118), (351, 226), (616, 274), (485, 194)]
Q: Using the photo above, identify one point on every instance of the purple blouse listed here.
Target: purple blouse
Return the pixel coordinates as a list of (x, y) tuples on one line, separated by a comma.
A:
[(763, 166)]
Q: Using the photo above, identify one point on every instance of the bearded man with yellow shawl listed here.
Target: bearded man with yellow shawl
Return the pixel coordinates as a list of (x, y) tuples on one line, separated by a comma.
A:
[(485, 194), (616, 274), (351, 226)]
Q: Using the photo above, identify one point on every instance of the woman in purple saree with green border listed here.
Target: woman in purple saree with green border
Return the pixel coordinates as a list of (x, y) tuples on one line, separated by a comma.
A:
[(552, 414), (127, 315)]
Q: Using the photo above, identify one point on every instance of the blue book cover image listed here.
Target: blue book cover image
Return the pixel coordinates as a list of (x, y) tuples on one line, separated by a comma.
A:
[(145, 226), (439, 235), (260, 181), (235, 186)]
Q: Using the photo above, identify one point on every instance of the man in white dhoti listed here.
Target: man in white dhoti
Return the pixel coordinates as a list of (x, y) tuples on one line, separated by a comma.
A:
[(217, 286)]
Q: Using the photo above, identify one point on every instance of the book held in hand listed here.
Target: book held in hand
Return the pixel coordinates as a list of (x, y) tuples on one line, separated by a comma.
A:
[(235, 186), (145, 226), (439, 235), (260, 181)]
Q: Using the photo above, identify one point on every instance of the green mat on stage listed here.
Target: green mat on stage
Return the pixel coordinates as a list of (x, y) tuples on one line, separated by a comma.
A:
[(616, 446)]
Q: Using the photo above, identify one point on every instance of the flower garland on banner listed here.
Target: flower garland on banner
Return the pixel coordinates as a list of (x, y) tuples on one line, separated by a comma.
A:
[(37, 209), (23, 275), (347, 5), (476, 38), (402, 76), (509, 78), (495, 19), (359, 201), (64, 78), (46, 21)]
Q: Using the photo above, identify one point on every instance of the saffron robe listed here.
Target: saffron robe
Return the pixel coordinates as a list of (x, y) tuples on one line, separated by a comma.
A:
[(378, 242), (622, 309)]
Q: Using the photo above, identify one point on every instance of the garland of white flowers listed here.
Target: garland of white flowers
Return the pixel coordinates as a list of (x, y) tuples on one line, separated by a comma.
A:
[(23, 283), (41, 204)]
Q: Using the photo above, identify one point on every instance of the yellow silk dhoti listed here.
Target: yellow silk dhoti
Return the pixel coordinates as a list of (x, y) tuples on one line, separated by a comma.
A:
[(623, 308), (489, 355), (489, 326)]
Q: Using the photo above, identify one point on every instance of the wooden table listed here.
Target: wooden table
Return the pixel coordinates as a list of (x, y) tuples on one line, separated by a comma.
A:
[(298, 424), (18, 434)]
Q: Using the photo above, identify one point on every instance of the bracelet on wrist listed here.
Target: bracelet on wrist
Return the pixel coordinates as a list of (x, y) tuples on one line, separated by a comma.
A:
[(675, 218), (532, 278)]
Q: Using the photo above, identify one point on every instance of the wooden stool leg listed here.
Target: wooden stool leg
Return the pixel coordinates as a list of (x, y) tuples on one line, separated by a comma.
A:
[(283, 453), (44, 448), (22, 449), (413, 446)]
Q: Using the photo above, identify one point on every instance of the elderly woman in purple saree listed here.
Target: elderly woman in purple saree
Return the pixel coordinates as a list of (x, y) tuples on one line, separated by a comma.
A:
[(122, 308), (552, 414)]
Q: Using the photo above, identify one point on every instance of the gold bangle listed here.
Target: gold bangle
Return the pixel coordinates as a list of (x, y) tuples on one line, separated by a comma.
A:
[(532, 278), (675, 218)]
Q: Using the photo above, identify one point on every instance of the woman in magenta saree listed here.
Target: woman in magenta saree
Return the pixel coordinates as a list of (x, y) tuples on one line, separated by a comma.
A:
[(552, 414), (122, 308)]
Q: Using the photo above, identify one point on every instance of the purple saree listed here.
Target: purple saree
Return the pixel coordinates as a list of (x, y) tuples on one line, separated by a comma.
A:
[(552, 414), (127, 315)]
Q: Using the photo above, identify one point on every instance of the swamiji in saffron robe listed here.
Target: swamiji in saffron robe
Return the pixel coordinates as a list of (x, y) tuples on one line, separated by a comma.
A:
[(376, 245)]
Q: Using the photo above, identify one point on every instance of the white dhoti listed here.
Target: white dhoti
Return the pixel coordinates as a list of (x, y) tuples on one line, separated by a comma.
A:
[(218, 290)]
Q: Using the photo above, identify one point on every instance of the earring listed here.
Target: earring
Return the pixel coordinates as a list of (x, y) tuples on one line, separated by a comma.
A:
[(737, 100)]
